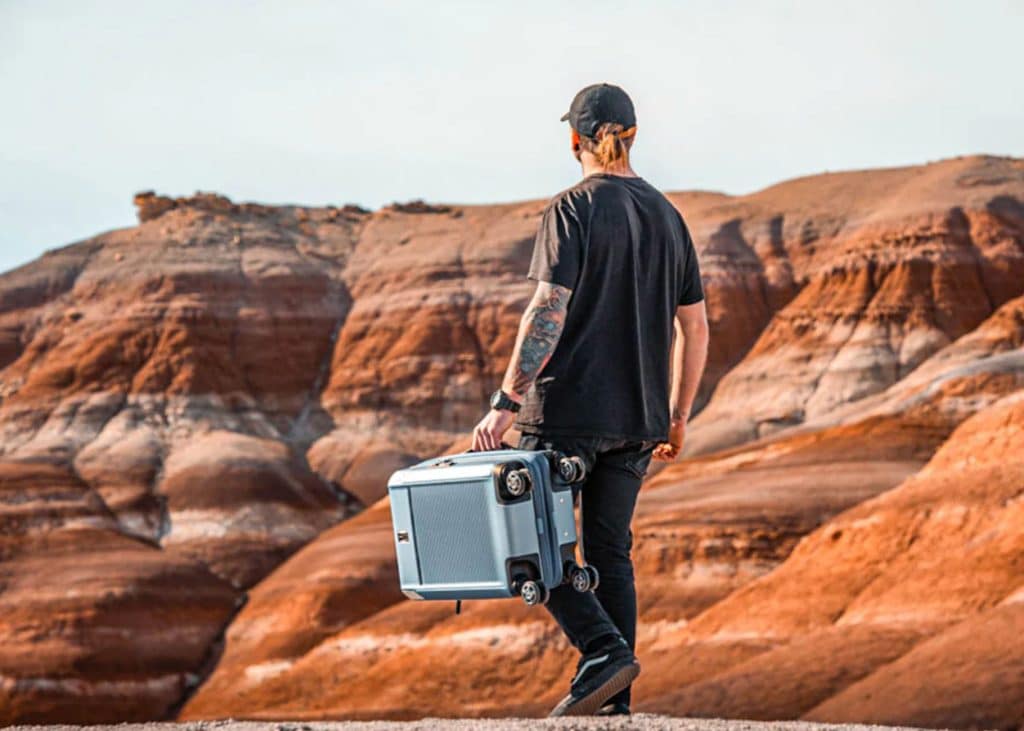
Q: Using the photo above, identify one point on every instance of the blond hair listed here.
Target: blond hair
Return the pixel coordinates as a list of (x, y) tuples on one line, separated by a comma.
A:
[(610, 144)]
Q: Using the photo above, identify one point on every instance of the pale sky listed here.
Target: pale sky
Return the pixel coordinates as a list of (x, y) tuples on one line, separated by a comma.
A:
[(322, 102)]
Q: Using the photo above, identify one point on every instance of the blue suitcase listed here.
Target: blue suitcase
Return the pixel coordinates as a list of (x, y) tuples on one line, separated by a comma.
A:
[(483, 525)]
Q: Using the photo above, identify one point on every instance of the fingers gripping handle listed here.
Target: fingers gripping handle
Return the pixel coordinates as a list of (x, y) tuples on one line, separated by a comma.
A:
[(503, 445)]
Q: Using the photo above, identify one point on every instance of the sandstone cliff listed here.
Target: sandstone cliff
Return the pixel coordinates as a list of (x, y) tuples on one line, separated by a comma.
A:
[(186, 403)]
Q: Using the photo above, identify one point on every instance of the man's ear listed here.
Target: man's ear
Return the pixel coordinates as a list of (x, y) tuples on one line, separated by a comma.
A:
[(575, 141)]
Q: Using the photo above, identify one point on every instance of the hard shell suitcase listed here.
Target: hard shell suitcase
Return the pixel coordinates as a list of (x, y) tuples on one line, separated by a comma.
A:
[(485, 525)]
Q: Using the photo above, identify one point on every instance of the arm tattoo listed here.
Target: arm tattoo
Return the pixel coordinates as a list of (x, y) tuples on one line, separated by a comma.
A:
[(539, 332)]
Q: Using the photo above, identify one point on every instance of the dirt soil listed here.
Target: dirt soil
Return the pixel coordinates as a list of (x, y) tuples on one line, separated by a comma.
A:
[(641, 721)]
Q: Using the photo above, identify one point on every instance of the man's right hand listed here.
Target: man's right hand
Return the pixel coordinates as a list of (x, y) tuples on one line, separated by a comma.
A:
[(668, 451)]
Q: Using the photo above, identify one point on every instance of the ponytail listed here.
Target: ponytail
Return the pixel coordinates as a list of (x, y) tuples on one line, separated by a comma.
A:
[(610, 144)]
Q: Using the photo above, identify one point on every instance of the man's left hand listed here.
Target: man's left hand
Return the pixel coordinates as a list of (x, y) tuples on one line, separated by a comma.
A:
[(669, 451), (488, 433)]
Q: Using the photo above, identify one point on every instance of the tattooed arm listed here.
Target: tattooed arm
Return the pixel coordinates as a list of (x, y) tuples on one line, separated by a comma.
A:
[(539, 331)]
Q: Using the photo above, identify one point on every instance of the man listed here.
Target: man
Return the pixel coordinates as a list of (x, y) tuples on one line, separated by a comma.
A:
[(595, 372)]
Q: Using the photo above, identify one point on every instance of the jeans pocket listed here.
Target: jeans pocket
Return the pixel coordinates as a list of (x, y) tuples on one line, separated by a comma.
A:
[(639, 462)]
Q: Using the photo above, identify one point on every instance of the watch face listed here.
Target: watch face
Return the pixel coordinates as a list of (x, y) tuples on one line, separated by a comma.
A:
[(495, 399)]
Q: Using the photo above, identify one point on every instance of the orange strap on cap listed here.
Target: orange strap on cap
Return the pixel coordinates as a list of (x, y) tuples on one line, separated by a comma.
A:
[(626, 133)]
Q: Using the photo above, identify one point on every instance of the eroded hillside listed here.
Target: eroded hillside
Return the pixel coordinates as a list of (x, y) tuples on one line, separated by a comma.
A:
[(194, 408)]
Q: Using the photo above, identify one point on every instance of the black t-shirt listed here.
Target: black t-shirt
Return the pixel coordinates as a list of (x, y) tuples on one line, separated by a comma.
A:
[(626, 254)]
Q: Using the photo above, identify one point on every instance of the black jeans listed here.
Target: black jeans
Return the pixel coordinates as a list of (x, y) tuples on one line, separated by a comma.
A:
[(615, 469)]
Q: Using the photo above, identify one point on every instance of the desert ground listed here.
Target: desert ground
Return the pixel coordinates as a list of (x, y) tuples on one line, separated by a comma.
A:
[(638, 722)]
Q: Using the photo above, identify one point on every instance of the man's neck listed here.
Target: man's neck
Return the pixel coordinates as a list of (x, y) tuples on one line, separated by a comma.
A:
[(592, 168)]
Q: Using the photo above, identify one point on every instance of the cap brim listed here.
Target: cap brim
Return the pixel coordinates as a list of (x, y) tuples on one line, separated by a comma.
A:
[(565, 117)]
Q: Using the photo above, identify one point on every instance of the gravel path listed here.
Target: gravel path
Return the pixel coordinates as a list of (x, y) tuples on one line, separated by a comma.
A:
[(642, 722)]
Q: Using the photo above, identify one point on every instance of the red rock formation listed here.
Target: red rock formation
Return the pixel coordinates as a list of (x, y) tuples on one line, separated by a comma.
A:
[(892, 274), (309, 667), (848, 616), (220, 385), (158, 392), (290, 662), (97, 625), (92, 619), (240, 504)]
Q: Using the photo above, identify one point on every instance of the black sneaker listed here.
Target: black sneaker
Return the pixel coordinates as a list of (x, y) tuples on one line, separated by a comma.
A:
[(614, 709), (599, 676)]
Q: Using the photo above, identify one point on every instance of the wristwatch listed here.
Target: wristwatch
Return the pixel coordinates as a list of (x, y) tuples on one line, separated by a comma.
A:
[(503, 402)]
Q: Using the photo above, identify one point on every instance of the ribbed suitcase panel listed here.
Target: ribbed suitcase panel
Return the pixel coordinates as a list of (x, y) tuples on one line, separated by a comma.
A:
[(453, 537)]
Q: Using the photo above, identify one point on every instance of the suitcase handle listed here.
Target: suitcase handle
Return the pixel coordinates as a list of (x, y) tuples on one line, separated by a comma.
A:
[(503, 445), (449, 461)]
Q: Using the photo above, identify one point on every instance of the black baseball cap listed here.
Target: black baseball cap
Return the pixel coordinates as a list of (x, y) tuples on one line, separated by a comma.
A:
[(600, 104)]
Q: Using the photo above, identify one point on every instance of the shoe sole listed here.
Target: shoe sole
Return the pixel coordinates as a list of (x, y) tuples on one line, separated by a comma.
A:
[(592, 702)]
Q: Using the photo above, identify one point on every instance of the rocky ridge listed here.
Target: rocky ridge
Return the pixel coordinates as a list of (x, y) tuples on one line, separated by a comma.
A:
[(188, 403)]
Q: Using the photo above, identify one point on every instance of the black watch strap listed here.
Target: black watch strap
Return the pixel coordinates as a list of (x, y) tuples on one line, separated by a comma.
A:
[(503, 402)]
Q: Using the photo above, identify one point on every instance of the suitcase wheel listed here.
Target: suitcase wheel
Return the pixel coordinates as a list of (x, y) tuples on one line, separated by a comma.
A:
[(517, 482), (572, 469), (583, 578), (534, 593)]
